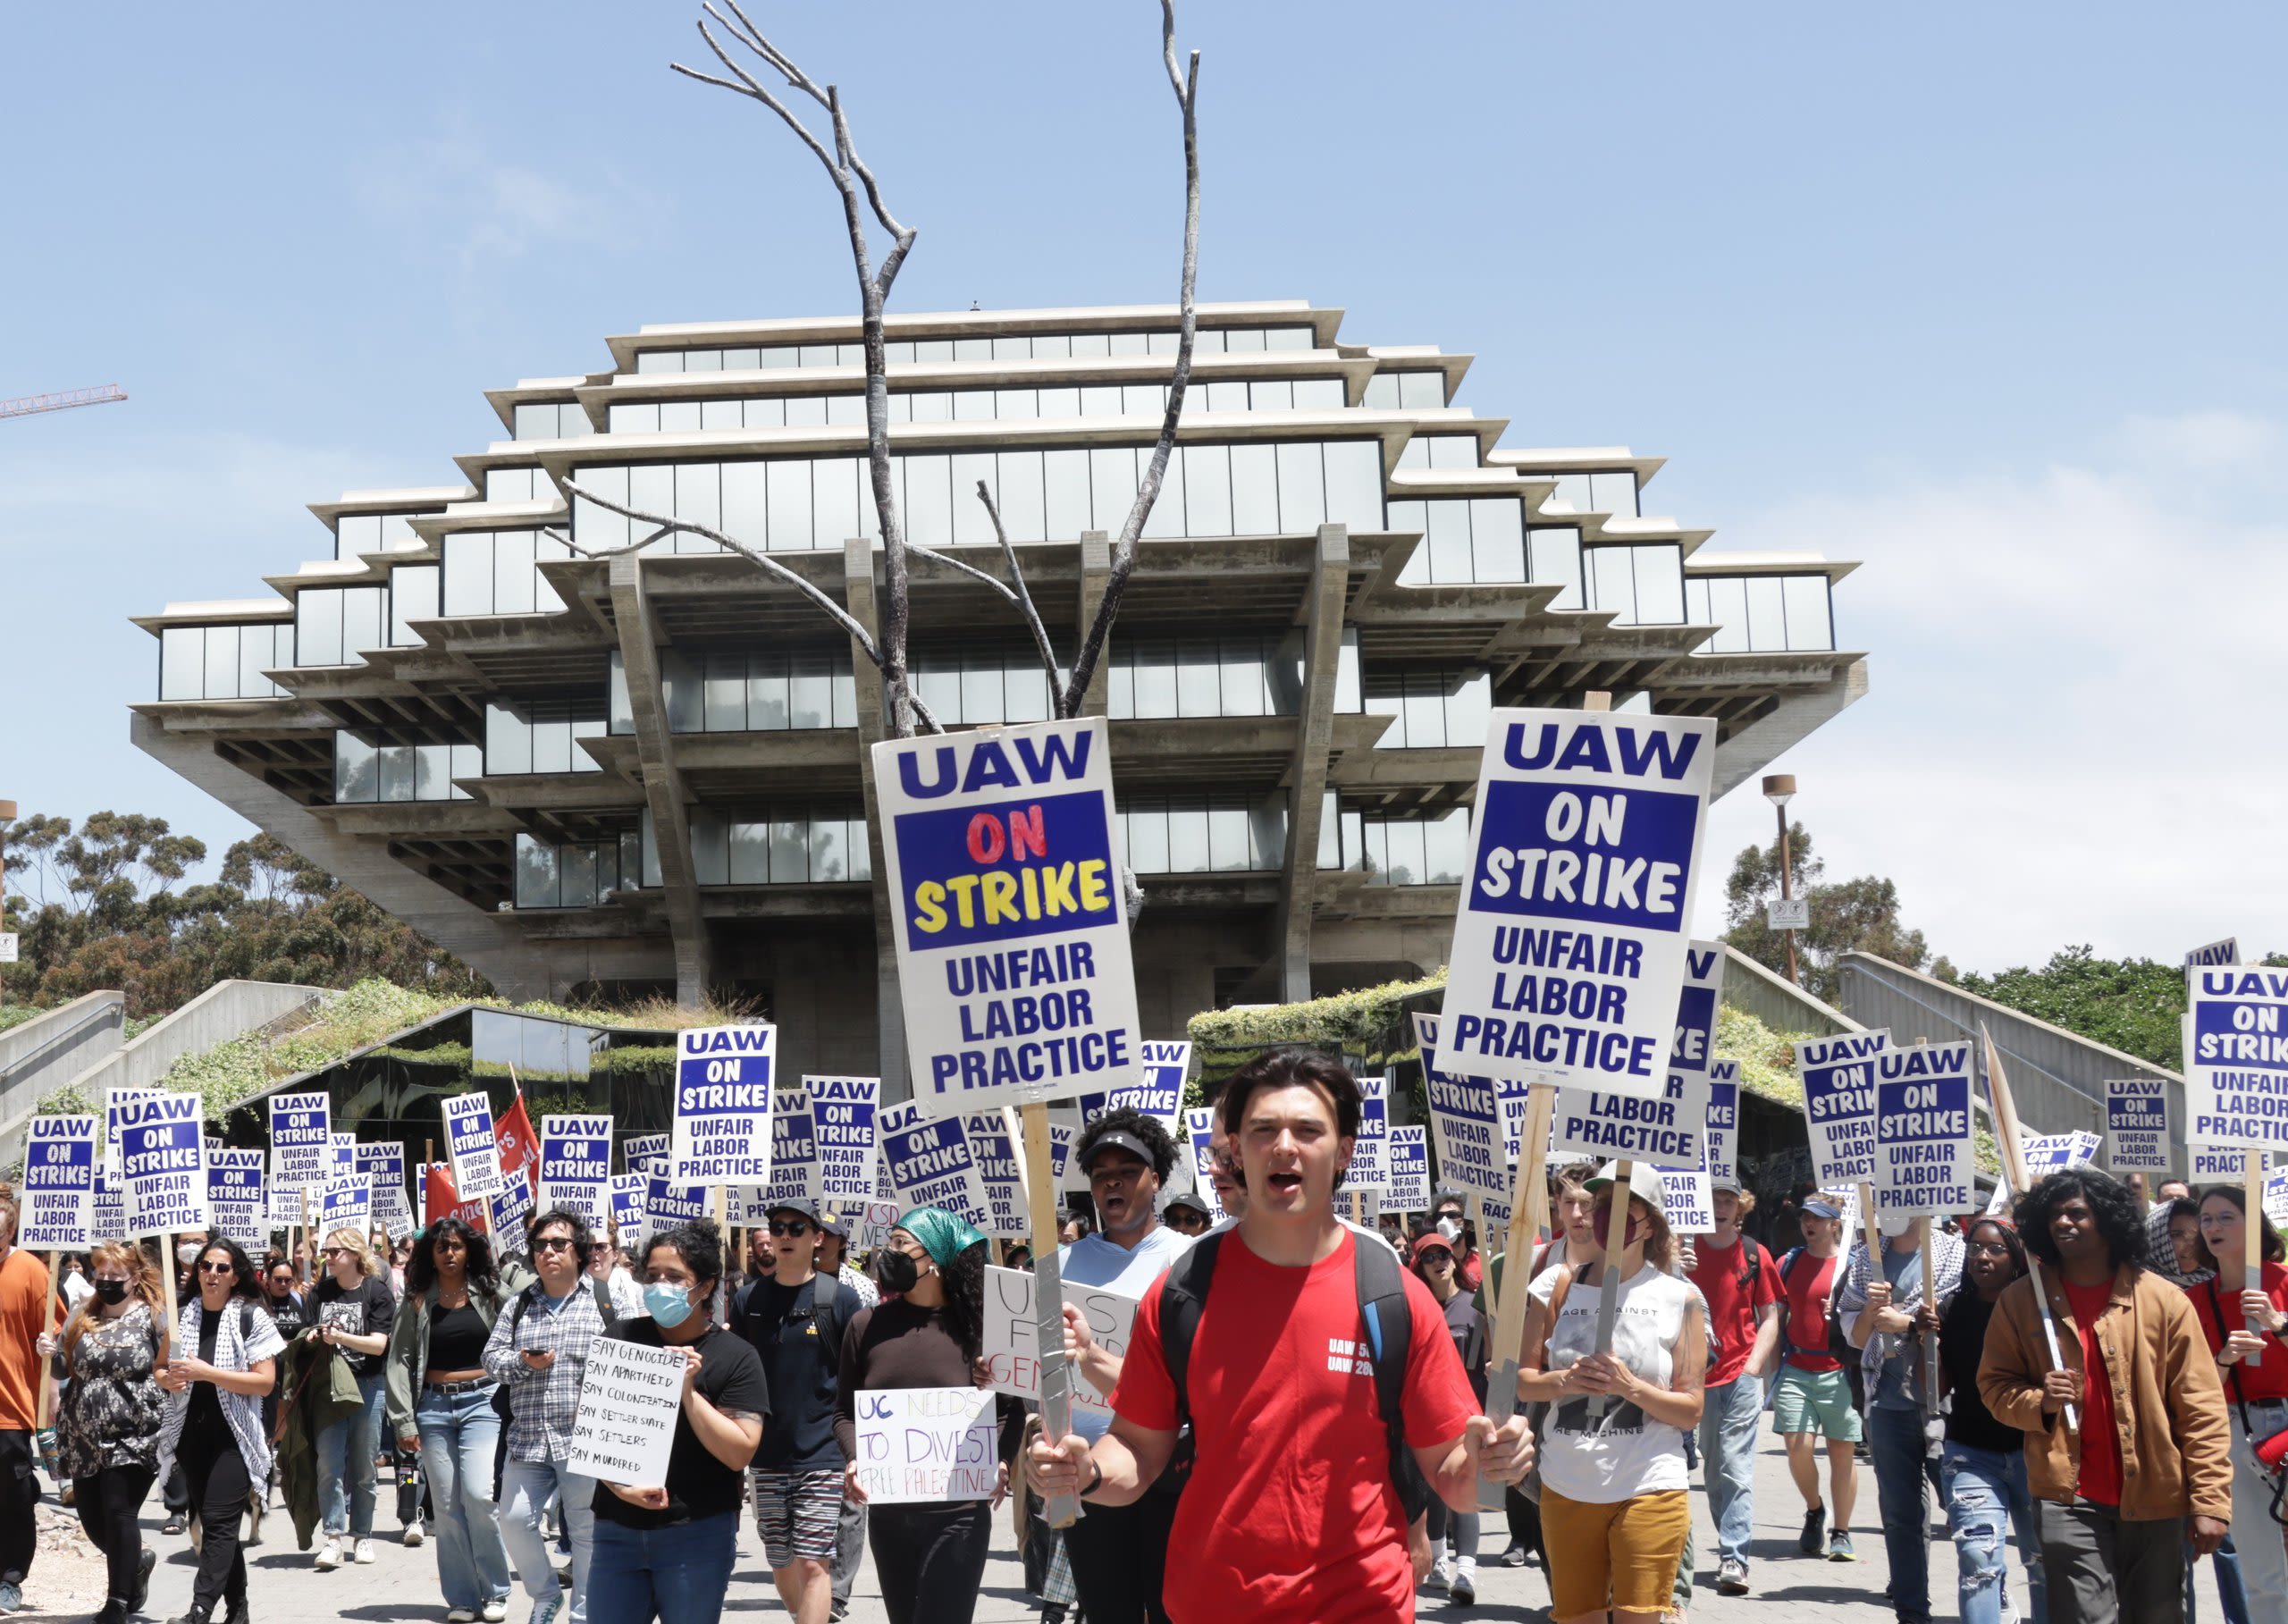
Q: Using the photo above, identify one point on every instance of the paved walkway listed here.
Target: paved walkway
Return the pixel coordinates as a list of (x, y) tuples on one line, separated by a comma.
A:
[(1789, 1588)]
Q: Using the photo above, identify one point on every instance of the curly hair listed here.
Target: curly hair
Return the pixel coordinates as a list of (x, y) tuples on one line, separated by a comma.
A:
[(700, 1244), (2120, 1223), (1147, 1131), (421, 1268), (965, 1299)]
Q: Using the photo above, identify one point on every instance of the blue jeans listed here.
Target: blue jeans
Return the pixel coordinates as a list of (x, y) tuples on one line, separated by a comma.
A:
[(1902, 1477), (458, 1433), (677, 1575), (1986, 1497), (525, 1486), (1727, 1450), (2230, 1594), (346, 1451)]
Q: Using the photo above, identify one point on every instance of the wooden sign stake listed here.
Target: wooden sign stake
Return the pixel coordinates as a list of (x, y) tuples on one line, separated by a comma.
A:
[(2252, 1234), (2014, 1160), (1608, 1275), (46, 1379), (1529, 1205), (1048, 1300), (1929, 1297)]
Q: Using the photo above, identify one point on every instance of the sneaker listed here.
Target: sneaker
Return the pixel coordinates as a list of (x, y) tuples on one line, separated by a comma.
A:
[(1441, 1575), (1732, 1577), (1514, 1557), (495, 1611), (365, 1557), (12, 1597), (1839, 1547), (461, 1615), (1463, 1591), (544, 1612), (1814, 1535), (330, 1553), (413, 1535), (841, 1610)]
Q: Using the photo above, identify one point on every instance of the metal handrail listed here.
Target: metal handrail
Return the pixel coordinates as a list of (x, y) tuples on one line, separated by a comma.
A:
[(102, 1012), (2096, 1103)]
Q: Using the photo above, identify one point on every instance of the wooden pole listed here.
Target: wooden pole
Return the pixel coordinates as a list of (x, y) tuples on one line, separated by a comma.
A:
[(1507, 1314), (302, 1267), (1048, 1300), (1609, 1276), (2252, 1237), (1869, 1228), (1930, 1300), (2014, 1167), (723, 1227), (47, 1378), (167, 1285)]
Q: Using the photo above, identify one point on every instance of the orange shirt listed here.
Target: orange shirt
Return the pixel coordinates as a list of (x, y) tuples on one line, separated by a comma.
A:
[(23, 1303)]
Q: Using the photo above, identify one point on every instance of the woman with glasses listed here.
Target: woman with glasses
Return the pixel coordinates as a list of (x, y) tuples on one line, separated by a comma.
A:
[(351, 1312), (1982, 1467), (441, 1403), (225, 1358), (664, 1550), (107, 1418), (1433, 1261), (2253, 1364), (929, 1558)]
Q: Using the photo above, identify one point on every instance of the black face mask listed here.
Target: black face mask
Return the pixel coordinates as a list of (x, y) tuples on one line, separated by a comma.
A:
[(112, 1291), (897, 1270)]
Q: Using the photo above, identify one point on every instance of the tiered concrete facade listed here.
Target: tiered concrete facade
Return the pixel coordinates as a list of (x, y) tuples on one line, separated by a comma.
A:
[(649, 771)]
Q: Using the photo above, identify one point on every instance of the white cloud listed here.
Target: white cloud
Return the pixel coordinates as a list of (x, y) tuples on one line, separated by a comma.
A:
[(451, 191), (2068, 735)]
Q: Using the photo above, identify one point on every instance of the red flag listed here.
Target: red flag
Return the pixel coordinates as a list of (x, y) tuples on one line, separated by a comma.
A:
[(519, 1147), (439, 1199)]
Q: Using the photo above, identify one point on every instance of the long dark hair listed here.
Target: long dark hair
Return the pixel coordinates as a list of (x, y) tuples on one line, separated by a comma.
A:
[(2275, 1249), (2120, 1225), (421, 1268), (965, 1297), (247, 1283)]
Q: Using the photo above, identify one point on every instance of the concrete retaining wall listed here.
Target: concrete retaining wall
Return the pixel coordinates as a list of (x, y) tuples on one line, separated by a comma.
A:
[(48, 1050)]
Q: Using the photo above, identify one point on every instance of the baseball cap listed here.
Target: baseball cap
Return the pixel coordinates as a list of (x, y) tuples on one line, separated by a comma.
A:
[(1432, 1242), (1185, 1198), (1817, 1209), (1734, 1185), (1644, 1183), (799, 1206), (1119, 1139)]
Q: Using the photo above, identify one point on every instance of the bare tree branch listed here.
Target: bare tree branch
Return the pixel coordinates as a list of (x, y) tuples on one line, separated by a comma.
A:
[(1022, 597), (951, 563), (1148, 490)]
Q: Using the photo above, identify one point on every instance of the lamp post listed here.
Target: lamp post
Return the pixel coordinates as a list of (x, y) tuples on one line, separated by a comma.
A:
[(1779, 788)]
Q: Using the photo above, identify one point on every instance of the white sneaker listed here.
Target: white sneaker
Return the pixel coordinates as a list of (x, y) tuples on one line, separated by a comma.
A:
[(1442, 1574), (461, 1615), (330, 1554), (1463, 1591), (496, 1612), (413, 1534), (365, 1557)]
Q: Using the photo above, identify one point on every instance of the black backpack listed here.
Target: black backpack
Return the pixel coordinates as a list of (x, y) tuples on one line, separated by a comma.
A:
[(1382, 1306), (825, 1294)]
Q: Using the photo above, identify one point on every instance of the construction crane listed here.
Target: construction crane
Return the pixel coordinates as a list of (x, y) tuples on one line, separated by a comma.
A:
[(63, 401)]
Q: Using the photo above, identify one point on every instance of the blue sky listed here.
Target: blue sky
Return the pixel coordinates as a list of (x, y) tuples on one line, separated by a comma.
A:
[(1984, 297)]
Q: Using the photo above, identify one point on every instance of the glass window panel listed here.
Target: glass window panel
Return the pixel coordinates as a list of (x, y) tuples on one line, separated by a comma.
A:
[(699, 498), (1659, 585), (846, 411), (1405, 856), (845, 511), (1100, 401), (1166, 516), (1469, 708), (535, 873), (768, 413), (1557, 557), (939, 681), (1061, 402), (830, 849), (317, 628), (787, 502), (1016, 403), (262, 648), (1224, 396), (1129, 343), (1354, 484), (619, 713), (1161, 343), (790, 851), (973, 405), (363, 611), (900, 408), (1386, 696), (635, 417), (933, 350), (810, 694), (1811, 623), (972, 350), (1425, 710), (805, 411), (981, 686), (1188, 849), (1267, 832), (591, 525), (1767, 614), (507, 743), (1271, 395), (744, 508), (1696, 601), (1227, 838), (972, 526), (1156, 678), (1086, 345), (588, 727), (219, 680), (1613, 492), (1613, 582), (814, 355), (1445, 848), (928, 500), (845, 686), (1207, 489), (932, 406), (1242, 677), (1319, 395), (896, 350), (577, 876), (703, 361), (395, 772), (678, 416), (1454, 450), (397, 533), (1497, 538), (1243, 341), (512, 572), (651, 489), (722, 413), (659, 360), (710, 856), (727, 694), (1448, 541), (1144, 833), (552, 746), (1120, 683), (1017, 347), (767, 692), (1346, 673), (850, 355), (749, 854), (1288, 338), (1142, 399), (1375, 852), (1112, 480), (1199, 681), (1019, 477), (1207, 340), (535, 422), (354, 775), (467, 762), (1052, 346), (1419, 391), (1573, 490), (1024, 689), (413, 596), (1415, 454), (361, 533), (682, 679), (1255, 491), (1382, 391)]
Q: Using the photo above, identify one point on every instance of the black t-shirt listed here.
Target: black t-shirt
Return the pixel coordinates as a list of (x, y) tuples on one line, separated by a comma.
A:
[(801, 1359), (289, 1313), (457, 1338), (1961, 1343), (204, 1419), (375, 1306), (731, 1378)]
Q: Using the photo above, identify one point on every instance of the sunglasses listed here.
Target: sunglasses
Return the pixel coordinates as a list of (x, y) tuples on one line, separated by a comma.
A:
[(553, 1243), (216, 1268), (790, 1228)]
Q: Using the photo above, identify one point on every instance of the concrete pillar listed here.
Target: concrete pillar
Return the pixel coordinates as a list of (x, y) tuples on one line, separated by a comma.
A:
[(1306, 773), (859, 597), (662, 783), (1095, 572)]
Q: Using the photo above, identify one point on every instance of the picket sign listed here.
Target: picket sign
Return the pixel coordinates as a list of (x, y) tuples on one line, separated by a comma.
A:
[(2015, 1169), (1062, 1511)]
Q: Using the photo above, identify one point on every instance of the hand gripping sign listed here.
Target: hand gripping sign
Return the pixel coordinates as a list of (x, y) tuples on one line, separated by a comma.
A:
[(1569, 941), (722, 1133), (1012, 933)]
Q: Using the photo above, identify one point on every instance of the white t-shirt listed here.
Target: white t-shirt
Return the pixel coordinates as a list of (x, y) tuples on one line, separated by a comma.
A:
[(1093, 1260), (1624, 1452)]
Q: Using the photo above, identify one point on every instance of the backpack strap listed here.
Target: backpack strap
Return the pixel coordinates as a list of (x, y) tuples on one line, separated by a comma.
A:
[(1184, 1295), (1389, 1318), (602, 1294), (825, 1294)]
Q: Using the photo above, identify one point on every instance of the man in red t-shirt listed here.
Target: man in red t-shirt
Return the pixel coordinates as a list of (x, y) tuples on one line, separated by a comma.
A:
[(23, 1303), (1742, 1286), (1291, 1515), (1813, 1397)]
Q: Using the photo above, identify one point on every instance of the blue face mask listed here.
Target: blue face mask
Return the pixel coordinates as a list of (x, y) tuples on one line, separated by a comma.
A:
[(669, 1305)]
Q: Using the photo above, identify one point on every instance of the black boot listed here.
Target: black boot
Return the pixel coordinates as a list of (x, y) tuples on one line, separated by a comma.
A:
[(115, 1611), (238, 1613), (200, 1613), (144, 1563)]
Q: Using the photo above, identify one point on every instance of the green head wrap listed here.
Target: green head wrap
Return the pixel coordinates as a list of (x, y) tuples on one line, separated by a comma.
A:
[(944, 1236)]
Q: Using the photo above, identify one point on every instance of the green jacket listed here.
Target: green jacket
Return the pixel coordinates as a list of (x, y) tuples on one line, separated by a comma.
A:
[(406, 1362), (320, 1390)]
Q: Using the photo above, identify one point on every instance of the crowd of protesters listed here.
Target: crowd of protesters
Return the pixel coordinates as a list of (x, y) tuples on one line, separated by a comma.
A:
[(1297, 1428)]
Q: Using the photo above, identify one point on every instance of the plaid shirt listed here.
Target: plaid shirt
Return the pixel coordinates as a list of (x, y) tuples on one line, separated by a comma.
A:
[(544, 1402)]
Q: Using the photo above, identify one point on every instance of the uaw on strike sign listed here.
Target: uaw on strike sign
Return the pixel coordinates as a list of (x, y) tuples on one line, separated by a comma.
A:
[(1569, 941), (1011, 934)]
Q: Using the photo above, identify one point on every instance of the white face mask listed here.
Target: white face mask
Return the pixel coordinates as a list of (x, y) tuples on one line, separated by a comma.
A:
[(1895, 1224), (1450, 1229)]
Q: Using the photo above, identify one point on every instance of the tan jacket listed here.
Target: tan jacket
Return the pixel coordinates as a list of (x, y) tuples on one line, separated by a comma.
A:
[(2170, 1420)]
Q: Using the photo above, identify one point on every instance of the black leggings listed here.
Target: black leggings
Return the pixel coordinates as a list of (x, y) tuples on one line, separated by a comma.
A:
[(110, 1506), (930, 1560), (1119, 1555), (219, 1487)]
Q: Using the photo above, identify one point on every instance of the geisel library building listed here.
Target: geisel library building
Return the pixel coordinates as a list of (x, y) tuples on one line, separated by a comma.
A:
[(649, 772)]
